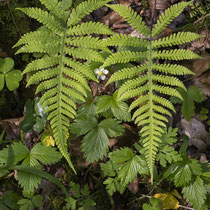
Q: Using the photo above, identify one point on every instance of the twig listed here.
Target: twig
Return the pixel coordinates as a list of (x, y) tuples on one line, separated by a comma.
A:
[(200, 19)]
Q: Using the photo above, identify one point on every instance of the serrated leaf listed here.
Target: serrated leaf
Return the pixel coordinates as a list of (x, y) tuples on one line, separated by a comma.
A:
[(129, 170), (95, 144), (107, 168), (128, 164), (121, 155), (46, 155), (13, 153), (112, 127), (82, 126), (195, 193)]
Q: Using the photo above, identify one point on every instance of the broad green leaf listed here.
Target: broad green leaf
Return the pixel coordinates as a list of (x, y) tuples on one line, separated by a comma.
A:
[(194, 93), (37, 200), (104, 103), (130, 169), (12, 79), (46, 155), (13, 153), (10, 199), (195, 193), (1, 81), (84, 125), (112, 127), (6, 64), (107, 168), (95, 144), (121, 155)]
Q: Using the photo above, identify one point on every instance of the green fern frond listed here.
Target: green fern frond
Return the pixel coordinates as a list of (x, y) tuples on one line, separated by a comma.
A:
[(177, 54), (175, 39), (45, 18), (125, 40), (127, 73), (89, 28), (127, 57), (42, 63), (168, 16), (62, 79), (132, 18), (80, 67), (84, 9), (147, 82), (171, 69)]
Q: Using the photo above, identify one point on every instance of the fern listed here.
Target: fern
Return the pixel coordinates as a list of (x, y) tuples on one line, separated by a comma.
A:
[(57, 73), (148, 79)]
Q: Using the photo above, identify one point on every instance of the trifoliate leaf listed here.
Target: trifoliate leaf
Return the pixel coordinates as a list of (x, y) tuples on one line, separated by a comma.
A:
[(108, 168), (121, 155), (195, 193), (130, 169), (13, 153), (112, 127), (95, 144), (12, 77), (169, 136), (28, 181), (113, 185), (129, 165), (46, 155), (168, 200), (119, 109), (82, 126), (168, 154)]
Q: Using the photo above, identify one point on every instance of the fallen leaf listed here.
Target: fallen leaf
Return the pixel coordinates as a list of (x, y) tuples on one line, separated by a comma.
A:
[(134, 186), (48, 141), (168, 200)]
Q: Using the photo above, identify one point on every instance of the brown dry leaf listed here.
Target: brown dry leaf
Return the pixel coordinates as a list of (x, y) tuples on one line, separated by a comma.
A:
[(134, 186), (160, 4), (112, 142), (199, 66), (11, 126), (126, 3)]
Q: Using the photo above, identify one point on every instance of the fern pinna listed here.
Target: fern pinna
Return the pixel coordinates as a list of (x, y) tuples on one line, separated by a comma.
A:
[(63, 40), (145, 81)]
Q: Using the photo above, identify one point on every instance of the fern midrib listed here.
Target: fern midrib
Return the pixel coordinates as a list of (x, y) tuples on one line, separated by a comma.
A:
[(151, 109), (60, 91)]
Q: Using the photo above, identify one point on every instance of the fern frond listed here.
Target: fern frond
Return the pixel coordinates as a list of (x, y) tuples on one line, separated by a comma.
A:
[(80, 67), (168, 16), (89, 28), (45, 18), (175, 39), (127, 73), (42, 63), (125, 40), (177, 54), (167, 80), (84, 53), (84, 9), (132, 18), (127, 57), (42, 75), (171, 69), (87, 41), (37, 36), (40, 47)]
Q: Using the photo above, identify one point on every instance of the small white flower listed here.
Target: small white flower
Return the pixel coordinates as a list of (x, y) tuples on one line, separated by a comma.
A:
[(101, 73)]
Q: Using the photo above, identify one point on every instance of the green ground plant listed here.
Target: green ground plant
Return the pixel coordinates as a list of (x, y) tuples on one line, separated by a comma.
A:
[(71, 53)]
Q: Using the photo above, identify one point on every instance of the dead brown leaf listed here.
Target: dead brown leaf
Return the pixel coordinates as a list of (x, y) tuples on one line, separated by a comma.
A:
[(134, 186), (160, 4)]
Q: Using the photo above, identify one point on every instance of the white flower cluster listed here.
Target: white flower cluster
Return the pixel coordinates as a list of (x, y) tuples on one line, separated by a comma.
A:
[(101, 73)]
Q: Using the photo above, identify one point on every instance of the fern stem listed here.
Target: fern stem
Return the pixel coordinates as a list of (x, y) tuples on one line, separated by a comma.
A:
[(61, 136), (151, 162)]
